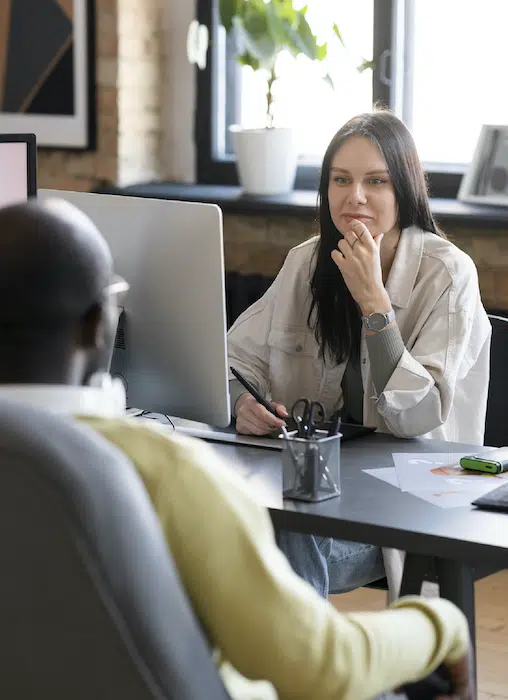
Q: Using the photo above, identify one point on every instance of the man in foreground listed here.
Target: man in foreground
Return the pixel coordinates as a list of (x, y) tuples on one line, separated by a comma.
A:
[(58, 312)]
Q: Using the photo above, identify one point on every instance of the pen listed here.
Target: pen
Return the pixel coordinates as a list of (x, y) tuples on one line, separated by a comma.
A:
[(312, 475), (255, 393), (335, 426)]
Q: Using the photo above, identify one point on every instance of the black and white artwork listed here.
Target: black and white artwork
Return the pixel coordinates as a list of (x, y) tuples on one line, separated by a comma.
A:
[(47, 71)]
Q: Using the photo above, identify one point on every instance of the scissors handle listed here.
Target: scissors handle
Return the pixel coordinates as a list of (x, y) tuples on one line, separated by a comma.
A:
[(305, 413), (315, 407)]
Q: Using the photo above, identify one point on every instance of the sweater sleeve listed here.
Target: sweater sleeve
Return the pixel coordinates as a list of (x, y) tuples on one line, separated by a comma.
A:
[(385, 350)]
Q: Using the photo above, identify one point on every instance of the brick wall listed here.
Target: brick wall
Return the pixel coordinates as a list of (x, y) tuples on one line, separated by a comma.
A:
[(258, 245), (140, 81), (489, 249), (129, 75)]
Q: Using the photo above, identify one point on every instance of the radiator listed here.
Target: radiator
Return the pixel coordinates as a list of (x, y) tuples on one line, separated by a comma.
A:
[(242, 291)]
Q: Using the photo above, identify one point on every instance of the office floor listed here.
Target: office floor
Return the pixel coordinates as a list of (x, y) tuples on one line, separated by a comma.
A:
[(492, 629)]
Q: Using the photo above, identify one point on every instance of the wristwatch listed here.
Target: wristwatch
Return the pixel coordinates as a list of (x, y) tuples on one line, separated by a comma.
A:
[(377, 321)]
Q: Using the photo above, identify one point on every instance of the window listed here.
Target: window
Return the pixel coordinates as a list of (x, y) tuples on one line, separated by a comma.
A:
[(444, 79), (458, 72)]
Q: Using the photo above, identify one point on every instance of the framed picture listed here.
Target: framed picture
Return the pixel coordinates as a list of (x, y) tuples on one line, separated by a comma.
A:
[(47, 71), (486, 180)]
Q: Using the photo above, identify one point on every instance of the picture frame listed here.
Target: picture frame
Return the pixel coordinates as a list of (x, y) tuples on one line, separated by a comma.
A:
[(49, 91), (486, 180)]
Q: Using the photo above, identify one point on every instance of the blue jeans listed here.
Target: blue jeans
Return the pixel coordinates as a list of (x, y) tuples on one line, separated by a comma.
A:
[(331, 566)]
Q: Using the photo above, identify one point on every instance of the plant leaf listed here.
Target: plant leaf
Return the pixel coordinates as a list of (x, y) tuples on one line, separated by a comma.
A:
[(276, 26), (329, 80), (366, 65), (227, 10), (337, 33), (246, 59), (308, 41), (293, 41), (285, 10), (254, 37), (322, 52), (258, 6), (264, 28)]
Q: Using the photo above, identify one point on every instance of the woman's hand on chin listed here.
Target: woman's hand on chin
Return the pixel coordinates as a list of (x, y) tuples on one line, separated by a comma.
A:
[(358, 259)]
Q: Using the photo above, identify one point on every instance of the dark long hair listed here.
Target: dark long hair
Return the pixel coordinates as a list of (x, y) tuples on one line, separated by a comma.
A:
[(334, 316)]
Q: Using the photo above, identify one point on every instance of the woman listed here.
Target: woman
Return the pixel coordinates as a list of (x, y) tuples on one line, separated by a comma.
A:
[(379, 317)]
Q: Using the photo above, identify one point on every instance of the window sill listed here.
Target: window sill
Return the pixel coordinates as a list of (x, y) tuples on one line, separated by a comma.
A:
[(300, 203)]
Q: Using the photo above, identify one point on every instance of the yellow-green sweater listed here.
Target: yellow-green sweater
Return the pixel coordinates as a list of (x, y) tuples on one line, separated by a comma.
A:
[(262, 619)]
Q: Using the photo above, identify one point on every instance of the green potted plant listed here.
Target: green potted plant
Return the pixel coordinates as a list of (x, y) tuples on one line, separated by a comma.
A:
[(267, 156)]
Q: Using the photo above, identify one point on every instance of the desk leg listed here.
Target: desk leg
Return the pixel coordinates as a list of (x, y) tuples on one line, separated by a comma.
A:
[(456, 583), (417, 569)]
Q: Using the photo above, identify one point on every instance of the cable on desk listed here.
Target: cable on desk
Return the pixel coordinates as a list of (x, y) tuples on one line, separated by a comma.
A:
[(155, 416)]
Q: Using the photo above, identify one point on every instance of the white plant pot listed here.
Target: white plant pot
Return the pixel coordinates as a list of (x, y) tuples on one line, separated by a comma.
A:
[(266, 159)]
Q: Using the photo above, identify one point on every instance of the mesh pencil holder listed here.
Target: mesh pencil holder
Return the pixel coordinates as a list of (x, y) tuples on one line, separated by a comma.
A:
[(311, 467)]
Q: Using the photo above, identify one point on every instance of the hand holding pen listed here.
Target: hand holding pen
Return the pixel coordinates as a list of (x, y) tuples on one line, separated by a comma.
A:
[(254, 415)]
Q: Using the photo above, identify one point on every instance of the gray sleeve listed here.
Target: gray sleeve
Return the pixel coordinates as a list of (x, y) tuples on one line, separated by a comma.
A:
[(236, 389), (385, 350)]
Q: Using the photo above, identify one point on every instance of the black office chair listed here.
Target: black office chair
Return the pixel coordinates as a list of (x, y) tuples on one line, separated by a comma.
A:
[(90, 603), (496, 422)]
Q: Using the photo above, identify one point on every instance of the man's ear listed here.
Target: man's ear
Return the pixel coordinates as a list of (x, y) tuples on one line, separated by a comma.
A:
[(91, 331)]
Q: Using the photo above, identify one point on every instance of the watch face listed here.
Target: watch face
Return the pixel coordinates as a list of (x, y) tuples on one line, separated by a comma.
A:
[(377, 321)]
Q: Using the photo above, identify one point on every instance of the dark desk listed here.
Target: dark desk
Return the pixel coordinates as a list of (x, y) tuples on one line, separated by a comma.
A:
[(452, 545)]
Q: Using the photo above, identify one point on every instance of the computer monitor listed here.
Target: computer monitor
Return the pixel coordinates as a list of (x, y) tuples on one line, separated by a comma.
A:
[(18, 168), (171, 347)]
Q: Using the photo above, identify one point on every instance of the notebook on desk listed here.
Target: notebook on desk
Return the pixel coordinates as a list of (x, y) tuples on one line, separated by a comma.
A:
[(497, 499)]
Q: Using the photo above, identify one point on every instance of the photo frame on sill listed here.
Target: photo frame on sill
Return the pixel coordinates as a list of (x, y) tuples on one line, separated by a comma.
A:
[(47, 71), (486, 180)]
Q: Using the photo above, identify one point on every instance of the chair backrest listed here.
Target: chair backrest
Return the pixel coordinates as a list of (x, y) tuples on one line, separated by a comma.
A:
[(496, 422), (90, 602)]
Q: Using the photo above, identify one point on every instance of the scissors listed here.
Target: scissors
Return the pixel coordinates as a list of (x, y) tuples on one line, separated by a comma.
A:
[(305, 414)]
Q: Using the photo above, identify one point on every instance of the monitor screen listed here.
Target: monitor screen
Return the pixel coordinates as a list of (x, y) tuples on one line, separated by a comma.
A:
[(171, 345), (17, 168)]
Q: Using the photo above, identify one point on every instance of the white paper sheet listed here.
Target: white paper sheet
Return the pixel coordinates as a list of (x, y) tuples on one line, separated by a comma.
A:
[(387, 474), (439, 473), (460, 499)]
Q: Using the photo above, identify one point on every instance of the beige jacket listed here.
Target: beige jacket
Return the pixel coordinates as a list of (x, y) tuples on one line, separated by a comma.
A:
[(439, 388)]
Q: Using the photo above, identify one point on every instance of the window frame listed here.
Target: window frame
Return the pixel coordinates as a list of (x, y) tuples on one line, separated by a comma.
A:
[(211, 106)]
